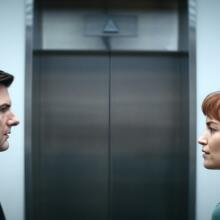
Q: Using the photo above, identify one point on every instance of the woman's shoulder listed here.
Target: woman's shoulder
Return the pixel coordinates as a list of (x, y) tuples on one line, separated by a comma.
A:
[(216, 212)]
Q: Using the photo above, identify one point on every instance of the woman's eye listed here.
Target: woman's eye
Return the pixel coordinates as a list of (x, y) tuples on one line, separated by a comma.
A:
[(212, 130)]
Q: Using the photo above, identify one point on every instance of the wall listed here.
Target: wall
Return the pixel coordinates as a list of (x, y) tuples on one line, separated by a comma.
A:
[(208, 80), (12, 39)]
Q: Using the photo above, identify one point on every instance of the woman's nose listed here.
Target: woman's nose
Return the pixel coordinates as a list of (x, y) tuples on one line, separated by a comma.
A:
[(203, 140)]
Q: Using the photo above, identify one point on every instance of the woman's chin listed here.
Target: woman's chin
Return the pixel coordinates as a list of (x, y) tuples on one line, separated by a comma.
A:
[(211, 166)]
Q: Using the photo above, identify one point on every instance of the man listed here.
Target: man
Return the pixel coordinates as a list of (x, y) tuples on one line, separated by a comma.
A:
[(7, 118)]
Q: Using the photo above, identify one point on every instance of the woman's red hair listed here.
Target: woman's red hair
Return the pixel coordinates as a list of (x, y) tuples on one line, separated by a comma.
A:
[(211, 105)]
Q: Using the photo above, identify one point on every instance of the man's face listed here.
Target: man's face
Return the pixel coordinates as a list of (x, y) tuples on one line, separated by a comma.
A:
[(7, 118)]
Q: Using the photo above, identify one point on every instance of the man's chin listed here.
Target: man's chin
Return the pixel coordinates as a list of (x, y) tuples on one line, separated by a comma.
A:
[(4, 146)]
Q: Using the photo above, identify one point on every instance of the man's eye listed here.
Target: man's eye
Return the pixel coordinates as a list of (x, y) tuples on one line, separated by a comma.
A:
[(4, 109)]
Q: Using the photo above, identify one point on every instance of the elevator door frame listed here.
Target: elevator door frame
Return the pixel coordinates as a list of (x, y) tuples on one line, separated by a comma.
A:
[(192, 106)]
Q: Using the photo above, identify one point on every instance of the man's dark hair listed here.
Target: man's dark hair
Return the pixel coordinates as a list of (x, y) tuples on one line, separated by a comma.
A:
[(6, 79)]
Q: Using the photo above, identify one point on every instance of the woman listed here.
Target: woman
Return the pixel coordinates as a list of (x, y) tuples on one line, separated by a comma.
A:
[(210, 140)]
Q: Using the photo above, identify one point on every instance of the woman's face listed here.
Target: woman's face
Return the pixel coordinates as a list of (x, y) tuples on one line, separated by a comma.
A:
[(210, 141)]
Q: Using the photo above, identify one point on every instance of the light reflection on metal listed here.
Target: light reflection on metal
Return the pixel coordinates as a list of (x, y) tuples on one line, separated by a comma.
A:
[(29, 12)]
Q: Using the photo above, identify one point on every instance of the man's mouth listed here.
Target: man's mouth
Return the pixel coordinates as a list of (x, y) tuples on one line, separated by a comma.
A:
[(7, 133)]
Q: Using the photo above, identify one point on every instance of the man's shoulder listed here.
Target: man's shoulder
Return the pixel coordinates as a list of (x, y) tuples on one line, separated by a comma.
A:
[(2, 216)]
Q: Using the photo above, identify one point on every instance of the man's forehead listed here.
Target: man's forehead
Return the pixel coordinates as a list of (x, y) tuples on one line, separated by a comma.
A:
[(4, 95)]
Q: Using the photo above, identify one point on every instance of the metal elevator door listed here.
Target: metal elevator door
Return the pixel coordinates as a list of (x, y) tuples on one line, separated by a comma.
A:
[(110, 136), (148, 137)]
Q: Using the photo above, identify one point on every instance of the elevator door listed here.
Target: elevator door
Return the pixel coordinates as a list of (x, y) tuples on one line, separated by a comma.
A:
[(148, 137), (111, 136), (70, 178)]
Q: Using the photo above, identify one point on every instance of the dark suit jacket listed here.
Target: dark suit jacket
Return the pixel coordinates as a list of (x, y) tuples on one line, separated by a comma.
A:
[(2, 216)]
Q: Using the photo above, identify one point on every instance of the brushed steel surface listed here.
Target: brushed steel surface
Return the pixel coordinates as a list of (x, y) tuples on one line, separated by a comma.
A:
[(72, 167), (96, 25), (149, 137), (140, 29), (50, 193), (192, 13), (28, 108)]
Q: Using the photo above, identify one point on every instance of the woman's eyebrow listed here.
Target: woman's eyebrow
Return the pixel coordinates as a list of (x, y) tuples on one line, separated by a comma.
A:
[(208, 123)]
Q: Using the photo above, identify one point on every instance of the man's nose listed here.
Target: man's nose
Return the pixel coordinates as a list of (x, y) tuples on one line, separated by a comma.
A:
[(13, 120), (203, 140)]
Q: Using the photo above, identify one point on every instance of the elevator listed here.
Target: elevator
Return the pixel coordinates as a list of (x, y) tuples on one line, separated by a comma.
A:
[(110, 111)]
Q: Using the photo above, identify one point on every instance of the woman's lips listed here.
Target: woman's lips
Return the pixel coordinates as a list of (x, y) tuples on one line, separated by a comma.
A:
[(205, 154)]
